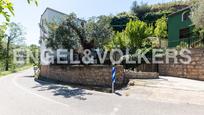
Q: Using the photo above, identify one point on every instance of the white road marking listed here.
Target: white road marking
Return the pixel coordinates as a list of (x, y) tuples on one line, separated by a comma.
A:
[(37, 95)]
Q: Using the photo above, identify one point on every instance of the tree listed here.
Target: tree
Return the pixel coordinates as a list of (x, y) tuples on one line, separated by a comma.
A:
[(152, 17), (67, 35), (140, 10), (99, 29), (120, 21), (60, 36), (74, 33), (2, 35), (135, 36), (78, 27), (119, 40), (161, 29), (14, 35), (138, 32), (6, 8), (35, 50), (2, 32), (197, 16)]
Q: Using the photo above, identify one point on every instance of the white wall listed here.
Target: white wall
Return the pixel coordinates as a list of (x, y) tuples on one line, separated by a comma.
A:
[(49, 16)]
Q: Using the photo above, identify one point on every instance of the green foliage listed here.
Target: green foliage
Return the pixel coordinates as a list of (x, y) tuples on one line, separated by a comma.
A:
[(150, 13), (197, 19), (137, 32), (151, 17), (119, 40), (197, 14), (99, 29), (182, 45), (6, 9), (35, 1), (19, 68), (140, 10), (15, 33), (14, 37), (119, 21), (161, 28), (35, 50), (135, 36), (74, 33), (63, 36), (173, 6), (2, 33)]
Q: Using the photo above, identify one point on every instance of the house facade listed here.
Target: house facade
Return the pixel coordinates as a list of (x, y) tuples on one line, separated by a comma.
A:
[(180, 28), (49, 16), (56, 19)]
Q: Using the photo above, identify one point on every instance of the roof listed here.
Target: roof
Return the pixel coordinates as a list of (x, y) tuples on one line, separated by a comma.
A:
[(59, 13), (53, 11), (184, 9)]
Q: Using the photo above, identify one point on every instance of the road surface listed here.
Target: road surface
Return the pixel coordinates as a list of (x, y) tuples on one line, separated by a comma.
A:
[(20, 94)]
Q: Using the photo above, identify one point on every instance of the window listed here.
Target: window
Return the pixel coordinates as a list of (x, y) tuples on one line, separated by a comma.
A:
[(184, 33), (186, 16)]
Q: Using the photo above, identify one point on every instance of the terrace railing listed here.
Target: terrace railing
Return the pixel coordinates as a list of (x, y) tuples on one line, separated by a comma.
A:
[(193, 42)]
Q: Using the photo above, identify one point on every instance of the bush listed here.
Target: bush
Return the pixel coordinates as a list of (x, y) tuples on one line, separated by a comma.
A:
[(138, 32)]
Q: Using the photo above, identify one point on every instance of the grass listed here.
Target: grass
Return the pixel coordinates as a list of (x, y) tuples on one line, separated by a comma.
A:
[(4, 73)]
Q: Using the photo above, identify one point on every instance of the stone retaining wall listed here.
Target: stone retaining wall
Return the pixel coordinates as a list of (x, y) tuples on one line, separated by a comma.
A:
[(147, 68), (141, 75), (194, 70), (94, 75)]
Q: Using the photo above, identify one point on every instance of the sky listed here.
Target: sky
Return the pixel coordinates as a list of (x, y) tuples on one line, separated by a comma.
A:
[(29, 15)]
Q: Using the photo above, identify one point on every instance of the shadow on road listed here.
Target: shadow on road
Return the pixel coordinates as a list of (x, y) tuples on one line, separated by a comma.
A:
[(62, 90)]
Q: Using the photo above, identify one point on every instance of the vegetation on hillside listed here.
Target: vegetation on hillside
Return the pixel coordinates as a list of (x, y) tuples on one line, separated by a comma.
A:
[(119, 21), (11, 40), (197, 17), (197, 14), (150, 13)]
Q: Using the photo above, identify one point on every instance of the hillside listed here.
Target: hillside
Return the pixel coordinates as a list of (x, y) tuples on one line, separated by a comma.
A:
[(150, 13), (176, 5)]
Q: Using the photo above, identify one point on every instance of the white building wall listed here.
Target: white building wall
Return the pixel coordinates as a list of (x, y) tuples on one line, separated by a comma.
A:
[(49, 16)]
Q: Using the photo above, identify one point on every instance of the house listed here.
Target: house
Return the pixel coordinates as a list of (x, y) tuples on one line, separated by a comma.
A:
[(180, 28), (49, 16)]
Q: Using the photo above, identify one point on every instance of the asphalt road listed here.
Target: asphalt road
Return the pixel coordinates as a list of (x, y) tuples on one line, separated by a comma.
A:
[(21, 95)]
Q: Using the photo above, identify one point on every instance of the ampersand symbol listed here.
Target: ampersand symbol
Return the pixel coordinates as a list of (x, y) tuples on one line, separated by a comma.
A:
[(87, 58)]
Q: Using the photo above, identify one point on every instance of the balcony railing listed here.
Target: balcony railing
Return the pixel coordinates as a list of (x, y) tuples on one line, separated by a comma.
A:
[(193, 42)]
